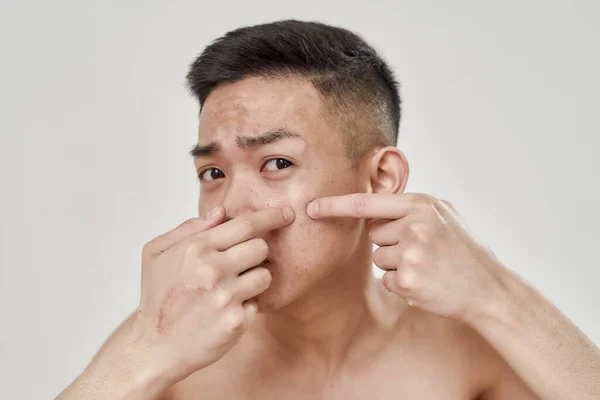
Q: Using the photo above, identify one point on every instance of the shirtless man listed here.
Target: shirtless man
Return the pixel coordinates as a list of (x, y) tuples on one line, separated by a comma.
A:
[(270, 293)]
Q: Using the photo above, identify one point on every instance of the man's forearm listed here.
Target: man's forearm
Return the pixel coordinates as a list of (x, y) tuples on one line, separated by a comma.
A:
[(120, 372), (91, 387), (542, 346)]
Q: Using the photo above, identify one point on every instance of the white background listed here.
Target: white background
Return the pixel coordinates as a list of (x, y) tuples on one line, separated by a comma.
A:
[(501, 117)]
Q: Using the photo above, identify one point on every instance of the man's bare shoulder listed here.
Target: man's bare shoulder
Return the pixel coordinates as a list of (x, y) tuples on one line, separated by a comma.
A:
[(418, 346), (489, 375), (455, 344)]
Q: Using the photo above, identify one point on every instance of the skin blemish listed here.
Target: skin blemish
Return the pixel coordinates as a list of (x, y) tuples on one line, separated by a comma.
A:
[(166, 306)]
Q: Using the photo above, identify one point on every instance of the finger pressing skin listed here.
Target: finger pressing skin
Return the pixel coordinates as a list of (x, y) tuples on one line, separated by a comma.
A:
[(242, 256), (362, 205), (249, 226), (188, 228), (250, 284)]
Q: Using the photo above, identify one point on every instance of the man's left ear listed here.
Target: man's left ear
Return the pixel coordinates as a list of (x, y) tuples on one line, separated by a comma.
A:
[(388, 171)]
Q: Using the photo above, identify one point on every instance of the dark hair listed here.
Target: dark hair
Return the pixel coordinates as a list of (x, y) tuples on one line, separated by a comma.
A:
[(358, 88)]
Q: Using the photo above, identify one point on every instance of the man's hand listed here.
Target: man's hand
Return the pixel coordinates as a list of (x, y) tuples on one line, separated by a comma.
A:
[(431, 259), (197, 284), (194, 304), (434, 262)]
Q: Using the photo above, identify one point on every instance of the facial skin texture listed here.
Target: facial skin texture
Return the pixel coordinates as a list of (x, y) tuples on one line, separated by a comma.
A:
[(307, 251)]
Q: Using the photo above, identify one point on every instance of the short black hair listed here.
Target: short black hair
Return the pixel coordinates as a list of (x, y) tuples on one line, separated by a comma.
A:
[(357, 86)]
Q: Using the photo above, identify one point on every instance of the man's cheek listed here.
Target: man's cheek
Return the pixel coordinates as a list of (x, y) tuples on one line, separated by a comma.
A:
[(295, 199)]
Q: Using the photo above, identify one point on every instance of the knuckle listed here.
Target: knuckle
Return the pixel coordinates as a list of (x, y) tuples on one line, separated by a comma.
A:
[(405, 280), (233, 320), (412, 256), (418, 230), (187, 248), (222, 298), (209, 277), (192, 225), (194, 247), (200, 243)]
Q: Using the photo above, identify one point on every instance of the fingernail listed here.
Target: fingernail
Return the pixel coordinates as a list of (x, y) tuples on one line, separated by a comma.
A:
[(313, 209), (288, 213), (212, 213)]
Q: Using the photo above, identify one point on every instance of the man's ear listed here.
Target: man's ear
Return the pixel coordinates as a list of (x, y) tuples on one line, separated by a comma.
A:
[(388, 171)]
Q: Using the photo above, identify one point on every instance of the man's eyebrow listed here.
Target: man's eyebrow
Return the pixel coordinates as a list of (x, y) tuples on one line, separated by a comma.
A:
[(246, 142), (266, 138), (205, 151)]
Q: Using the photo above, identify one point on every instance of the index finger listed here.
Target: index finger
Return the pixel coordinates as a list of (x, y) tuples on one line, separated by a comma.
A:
[(248, 226), (188, 228), (361, 205)]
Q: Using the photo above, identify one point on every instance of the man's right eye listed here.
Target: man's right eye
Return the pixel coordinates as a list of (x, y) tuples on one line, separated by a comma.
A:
[(211, 174)]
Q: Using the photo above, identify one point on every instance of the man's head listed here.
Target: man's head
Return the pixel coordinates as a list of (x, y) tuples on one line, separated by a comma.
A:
[(292, 111)]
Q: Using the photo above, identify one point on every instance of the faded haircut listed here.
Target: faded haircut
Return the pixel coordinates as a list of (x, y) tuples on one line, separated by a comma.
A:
[(359, 92)]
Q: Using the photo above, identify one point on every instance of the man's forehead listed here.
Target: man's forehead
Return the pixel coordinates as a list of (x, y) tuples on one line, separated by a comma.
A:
[(255, 105)]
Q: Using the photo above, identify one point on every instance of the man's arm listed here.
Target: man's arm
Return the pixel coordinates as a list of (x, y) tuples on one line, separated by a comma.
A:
[(194, 307), (434, 261), (540, 344), (122, 378)]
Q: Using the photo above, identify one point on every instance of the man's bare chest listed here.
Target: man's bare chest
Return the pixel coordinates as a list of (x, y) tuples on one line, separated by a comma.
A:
[(356, 391), (394, 384), (426, 366)]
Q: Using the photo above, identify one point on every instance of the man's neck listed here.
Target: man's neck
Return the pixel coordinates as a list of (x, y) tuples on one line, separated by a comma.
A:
[(330, 320)]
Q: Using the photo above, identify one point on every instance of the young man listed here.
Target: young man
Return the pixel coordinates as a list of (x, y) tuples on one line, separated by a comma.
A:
[(269, 294)]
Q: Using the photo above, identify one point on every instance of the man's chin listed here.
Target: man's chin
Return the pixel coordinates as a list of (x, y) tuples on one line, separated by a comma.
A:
[(282, 292), (270, 300), (266, 305)]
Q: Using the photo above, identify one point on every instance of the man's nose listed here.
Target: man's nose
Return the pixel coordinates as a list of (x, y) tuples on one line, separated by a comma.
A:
[(243, 196)]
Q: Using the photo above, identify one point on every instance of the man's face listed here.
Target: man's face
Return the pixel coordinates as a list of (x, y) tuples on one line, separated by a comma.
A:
[(272, 146)]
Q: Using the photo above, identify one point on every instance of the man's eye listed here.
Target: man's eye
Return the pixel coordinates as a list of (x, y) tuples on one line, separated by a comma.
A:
[(211, 174), (277, 164)]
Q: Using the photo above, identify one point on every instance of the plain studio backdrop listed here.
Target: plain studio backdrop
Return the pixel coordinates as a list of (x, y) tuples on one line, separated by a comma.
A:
[(501, 117)]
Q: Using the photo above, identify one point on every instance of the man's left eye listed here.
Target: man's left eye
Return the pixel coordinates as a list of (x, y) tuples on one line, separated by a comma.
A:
[(276, 164)]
